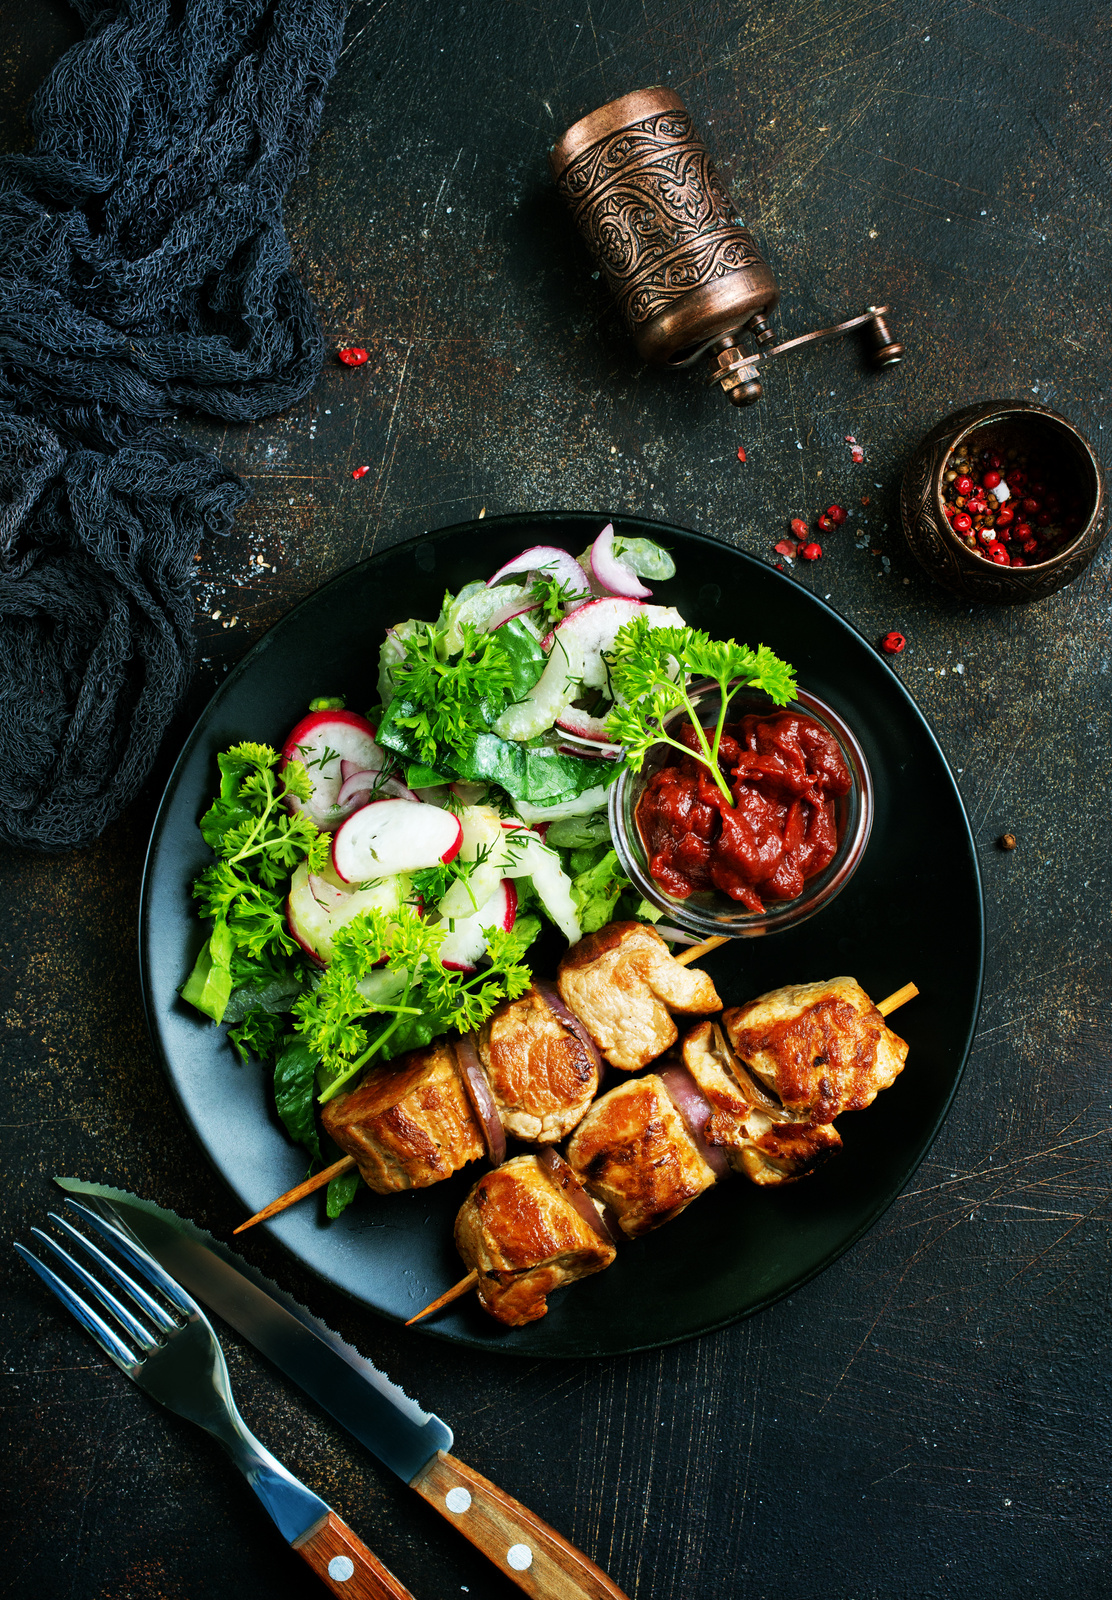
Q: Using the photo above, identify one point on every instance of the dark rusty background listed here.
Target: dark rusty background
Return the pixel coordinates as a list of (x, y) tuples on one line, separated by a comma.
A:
[(930, 1417)]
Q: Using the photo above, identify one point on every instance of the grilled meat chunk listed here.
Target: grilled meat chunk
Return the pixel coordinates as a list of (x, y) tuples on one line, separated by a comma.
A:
[(622, 983), (409, 1123), (766, 1150), (541, 1076), (633, 1152), (522, 1235), (821, 1048)]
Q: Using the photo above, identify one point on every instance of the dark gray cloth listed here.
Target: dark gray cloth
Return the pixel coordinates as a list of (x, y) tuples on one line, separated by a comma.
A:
[(144, 270)]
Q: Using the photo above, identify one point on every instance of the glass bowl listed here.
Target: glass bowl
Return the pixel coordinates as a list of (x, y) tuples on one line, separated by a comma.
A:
[(709, 912)]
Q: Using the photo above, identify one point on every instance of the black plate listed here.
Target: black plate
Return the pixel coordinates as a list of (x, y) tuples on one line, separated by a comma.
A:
[(912, 911)]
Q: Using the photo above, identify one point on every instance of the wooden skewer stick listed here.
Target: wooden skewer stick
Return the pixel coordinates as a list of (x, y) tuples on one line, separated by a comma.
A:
[(347, 1163), (292, 1196), (900, 998), (453, 1293), (698, 951)]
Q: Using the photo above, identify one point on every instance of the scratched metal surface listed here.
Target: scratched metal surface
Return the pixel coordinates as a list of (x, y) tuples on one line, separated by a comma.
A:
[(930, 1417)]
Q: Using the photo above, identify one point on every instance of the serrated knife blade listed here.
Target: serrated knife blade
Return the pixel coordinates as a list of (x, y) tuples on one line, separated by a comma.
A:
[(411, 1442)]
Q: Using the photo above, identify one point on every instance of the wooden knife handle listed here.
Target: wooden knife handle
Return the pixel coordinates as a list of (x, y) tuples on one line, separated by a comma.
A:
[(519, 1543), (345, 1565)]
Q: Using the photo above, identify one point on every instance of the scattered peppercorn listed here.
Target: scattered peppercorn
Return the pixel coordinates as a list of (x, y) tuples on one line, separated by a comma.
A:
[(837, 515), (810, 552), (740, 453), (892, 643), (824, 524), (866, 500), (1007, 841), (857, 455), (353, 356), (799, 527), (1006, 495), (361, 472)]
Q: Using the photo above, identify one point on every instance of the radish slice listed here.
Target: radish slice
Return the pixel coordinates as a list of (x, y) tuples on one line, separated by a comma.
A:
[(695, 1109), (390, 836), (557, 563), (316, 908), (563, 1177), (482, 1100), (324, 740), (359, 787), (564, 1014), (465, 943), (611, 571)]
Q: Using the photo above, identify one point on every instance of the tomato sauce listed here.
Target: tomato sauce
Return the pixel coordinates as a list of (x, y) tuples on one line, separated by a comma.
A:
[(785, 773)]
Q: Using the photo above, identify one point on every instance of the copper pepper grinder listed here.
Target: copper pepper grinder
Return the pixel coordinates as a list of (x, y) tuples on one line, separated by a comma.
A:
[(686, 275)]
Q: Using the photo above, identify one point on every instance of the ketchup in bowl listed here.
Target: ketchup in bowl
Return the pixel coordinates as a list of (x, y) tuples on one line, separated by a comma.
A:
[(785, 774)]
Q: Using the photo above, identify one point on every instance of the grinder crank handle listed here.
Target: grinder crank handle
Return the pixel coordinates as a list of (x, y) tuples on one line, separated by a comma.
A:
[(523, 1547)]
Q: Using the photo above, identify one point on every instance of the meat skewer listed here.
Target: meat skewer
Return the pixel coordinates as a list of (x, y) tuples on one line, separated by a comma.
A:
[(532, 1070), (756, 1094)]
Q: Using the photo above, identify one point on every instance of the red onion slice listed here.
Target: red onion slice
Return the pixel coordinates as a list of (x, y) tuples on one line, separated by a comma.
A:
[(481, 1098), (563, 1178), (612, 572), (676, 935), (558, 563), (563, 1013), (695, 1109), (368, 782)]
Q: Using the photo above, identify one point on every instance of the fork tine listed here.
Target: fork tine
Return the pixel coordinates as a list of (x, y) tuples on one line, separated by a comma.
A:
[(140, 1260), (88, 1318), (158, 1314), (136, 1332)]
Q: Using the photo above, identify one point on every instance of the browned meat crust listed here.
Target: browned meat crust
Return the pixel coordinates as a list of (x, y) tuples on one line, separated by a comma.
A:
[(540, 1075), (409, 1123), (766, 1151), (622, 983), (633, 1152), (524, 1239), (822, 1048)]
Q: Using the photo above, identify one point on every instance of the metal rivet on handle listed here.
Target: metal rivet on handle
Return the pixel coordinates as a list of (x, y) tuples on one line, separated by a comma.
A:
[(458, 1500), (341, 1568), (519, 1557)]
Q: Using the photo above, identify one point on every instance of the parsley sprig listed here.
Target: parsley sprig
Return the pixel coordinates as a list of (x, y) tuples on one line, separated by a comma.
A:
[(451, 698), (648, 674), (329, 1018), (257, 842)]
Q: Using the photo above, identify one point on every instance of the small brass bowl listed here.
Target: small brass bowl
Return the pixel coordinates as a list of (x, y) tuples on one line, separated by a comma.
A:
[(939, 550)]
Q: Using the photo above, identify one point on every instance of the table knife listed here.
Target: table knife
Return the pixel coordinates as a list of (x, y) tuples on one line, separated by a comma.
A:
[(413, 1443)]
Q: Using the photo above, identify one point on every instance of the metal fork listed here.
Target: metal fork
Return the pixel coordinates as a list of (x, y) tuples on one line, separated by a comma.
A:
[(171, 1352)]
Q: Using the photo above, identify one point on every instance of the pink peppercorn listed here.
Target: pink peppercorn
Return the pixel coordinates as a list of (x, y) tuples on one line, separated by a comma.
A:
[(892, 643), (824, 524), (361, 472), (799, 527), (353, 356), (810, 552), (837, 515)]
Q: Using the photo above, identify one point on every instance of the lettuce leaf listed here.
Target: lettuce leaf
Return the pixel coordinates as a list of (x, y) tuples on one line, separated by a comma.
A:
[(295, 1076)]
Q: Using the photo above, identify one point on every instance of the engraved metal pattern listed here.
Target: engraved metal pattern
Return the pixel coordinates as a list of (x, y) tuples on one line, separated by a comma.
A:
[(654, 214), (940, 553)]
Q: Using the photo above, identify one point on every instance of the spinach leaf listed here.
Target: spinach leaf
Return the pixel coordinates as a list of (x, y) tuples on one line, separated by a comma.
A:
[(295, 1075)]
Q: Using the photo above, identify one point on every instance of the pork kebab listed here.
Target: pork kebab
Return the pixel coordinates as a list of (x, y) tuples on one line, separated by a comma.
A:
[(531, 1071), (755, 1093)]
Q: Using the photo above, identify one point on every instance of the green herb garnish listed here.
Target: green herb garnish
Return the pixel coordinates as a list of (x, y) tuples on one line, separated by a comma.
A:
[(258, 842), (648, 674)]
